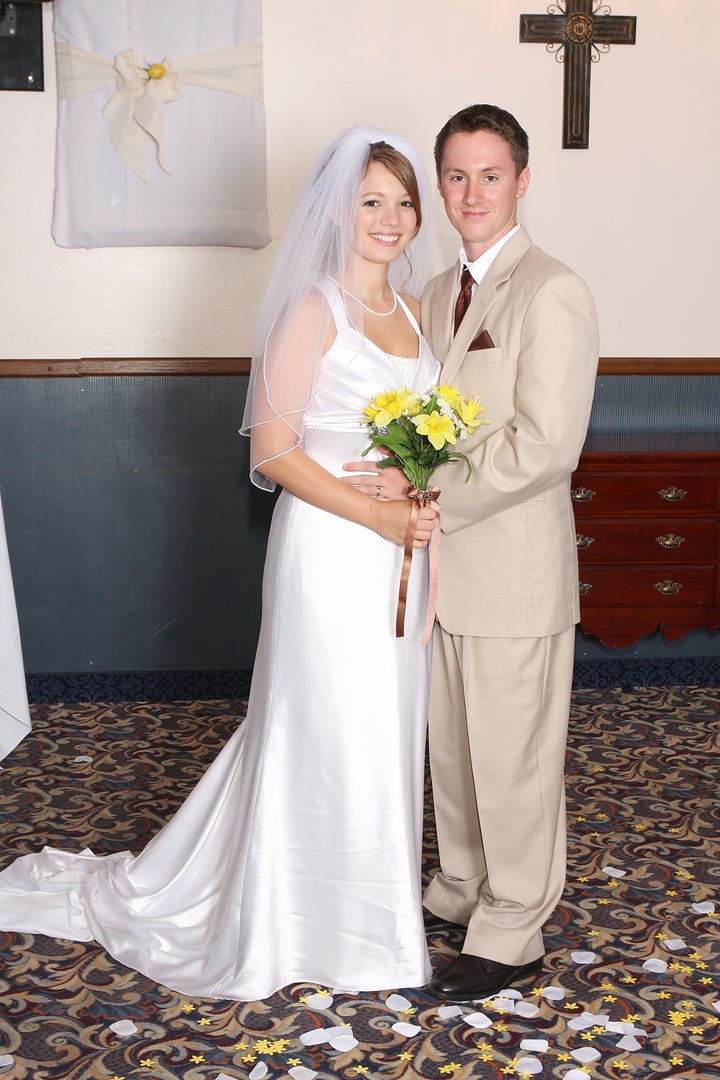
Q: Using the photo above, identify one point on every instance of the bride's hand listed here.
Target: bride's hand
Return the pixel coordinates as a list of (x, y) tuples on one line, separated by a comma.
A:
[(391, 519), (385, 484)]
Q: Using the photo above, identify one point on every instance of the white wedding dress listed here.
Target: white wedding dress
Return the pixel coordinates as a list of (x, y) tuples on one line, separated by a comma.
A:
[(297, 856)]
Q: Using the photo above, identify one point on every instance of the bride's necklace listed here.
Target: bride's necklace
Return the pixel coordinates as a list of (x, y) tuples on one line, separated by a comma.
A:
[(371, 311)]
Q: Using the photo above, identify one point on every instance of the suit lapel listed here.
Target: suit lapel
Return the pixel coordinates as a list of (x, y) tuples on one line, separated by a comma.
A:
[(441, 312), (485, 295)]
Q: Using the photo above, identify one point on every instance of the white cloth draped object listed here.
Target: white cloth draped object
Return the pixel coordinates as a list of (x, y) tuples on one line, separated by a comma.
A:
[(197, 172), (136, 109), (14, 712)]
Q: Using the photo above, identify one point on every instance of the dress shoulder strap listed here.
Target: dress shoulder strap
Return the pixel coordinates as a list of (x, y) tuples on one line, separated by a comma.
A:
[(410, 317), (332, 294)]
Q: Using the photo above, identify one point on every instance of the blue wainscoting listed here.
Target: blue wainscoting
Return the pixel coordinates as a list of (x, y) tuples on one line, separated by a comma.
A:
[(137, 542)]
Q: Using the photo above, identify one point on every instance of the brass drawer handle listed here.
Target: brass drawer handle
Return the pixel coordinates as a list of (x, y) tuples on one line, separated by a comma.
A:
[(582, 494), (670, 540), (584, 588), (667, 587), (583, 542), (672, 494)]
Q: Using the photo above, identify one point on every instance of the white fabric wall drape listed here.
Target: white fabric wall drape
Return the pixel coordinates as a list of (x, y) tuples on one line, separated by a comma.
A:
[(14, 712), (175, 161)]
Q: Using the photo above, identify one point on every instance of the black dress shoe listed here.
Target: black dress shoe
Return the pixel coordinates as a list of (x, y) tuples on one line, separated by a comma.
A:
[(436, 922), (470, 978)]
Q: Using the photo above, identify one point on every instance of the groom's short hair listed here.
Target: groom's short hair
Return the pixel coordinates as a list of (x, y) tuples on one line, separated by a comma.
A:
[(486, 118)]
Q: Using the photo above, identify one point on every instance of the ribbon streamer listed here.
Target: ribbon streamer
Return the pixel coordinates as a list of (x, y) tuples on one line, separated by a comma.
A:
[(419, 499), (135, 112)]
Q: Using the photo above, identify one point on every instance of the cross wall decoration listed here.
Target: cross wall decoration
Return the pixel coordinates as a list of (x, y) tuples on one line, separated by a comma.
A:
[(577, 32)]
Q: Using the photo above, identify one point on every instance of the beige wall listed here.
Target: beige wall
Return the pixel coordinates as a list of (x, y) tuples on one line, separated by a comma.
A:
[(636, 214)]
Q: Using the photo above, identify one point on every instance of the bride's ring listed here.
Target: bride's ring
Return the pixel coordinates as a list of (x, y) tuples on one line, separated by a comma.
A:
[(377, 492)]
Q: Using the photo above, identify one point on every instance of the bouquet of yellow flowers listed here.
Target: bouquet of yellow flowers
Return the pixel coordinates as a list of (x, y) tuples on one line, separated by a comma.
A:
[(419, 429)]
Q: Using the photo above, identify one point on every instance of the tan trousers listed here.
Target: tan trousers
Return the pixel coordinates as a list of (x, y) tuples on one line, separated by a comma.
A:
[(498, 726)]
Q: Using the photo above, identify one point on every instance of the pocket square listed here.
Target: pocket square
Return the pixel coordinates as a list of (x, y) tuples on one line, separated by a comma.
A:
[(482, 341)]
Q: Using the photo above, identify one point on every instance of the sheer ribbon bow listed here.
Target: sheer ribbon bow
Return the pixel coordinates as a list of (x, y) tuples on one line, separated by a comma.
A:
[(135, 112)]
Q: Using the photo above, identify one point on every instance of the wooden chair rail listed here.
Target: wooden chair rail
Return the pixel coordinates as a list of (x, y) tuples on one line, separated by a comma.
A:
[(182, 365), (240, 365)]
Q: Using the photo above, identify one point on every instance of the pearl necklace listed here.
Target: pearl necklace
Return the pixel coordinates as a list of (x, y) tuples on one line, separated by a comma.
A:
[(371, 311)]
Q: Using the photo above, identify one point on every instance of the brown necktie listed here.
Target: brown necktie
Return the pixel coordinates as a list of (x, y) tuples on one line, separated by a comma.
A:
[(464, 297)]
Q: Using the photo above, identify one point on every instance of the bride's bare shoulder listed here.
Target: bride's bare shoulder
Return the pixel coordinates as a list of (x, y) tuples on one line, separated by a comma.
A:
[(413, 303)]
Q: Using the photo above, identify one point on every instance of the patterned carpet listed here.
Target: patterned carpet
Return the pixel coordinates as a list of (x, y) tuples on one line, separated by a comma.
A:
[(631, 986)]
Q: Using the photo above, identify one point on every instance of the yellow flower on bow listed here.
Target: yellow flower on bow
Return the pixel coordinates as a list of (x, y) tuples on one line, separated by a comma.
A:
[(438, 428), (389, 406), (156, 71)]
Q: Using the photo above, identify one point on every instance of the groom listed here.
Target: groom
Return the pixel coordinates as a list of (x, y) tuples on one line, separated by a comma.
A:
[(517, 329)]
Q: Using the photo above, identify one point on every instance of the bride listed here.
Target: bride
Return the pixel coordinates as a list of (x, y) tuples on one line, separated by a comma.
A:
[(297, 856)]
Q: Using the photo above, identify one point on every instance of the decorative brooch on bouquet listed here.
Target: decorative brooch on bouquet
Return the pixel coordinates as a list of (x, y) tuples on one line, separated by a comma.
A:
[(418, 431)]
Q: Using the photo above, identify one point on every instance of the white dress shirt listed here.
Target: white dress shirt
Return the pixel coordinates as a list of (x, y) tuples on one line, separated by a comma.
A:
[(480, 267)]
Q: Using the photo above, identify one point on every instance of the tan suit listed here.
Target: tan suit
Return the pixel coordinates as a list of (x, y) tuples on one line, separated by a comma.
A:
[(508, 595)]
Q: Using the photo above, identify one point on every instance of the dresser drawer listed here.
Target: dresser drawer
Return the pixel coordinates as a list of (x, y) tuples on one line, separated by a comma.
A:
[(631, 492), (667, 586), (647, 518), (646, 540)]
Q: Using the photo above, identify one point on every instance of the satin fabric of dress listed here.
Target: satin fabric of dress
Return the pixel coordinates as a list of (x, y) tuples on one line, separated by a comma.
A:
[(297, 856)]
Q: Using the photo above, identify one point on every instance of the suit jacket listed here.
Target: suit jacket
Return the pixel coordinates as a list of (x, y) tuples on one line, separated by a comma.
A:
[(508, 557)]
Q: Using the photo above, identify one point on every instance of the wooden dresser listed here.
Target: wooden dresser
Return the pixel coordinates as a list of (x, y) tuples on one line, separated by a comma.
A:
[(647, 513)]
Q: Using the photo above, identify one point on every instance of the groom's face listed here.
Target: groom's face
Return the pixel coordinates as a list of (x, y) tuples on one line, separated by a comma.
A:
[(480, 188)]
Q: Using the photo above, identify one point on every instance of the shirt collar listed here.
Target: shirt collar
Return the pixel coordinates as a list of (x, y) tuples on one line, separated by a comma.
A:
[(480, 267)]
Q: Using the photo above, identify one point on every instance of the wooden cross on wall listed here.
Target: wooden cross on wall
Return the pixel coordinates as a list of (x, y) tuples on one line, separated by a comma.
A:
[(577, 28)]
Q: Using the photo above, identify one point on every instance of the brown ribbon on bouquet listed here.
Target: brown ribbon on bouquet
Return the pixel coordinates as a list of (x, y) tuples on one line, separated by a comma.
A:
[(418, 499)]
